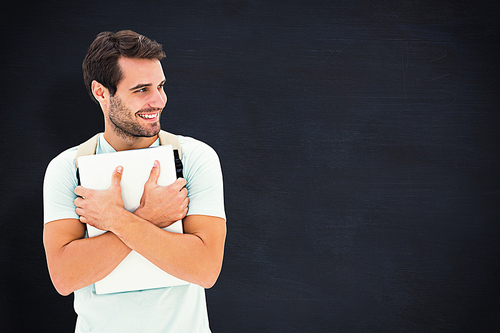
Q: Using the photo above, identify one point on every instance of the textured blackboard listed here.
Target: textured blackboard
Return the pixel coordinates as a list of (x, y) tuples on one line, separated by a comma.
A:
[(359, 143)]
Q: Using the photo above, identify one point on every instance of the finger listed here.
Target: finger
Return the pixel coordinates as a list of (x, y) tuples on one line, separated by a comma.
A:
[(185, 211), (78, 202), (185, 203), (81, 191), (117, 176), (155, 174), (180, 183), (184, 192)]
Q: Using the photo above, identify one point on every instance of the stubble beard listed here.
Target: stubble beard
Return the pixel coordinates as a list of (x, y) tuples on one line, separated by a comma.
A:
[(124, 123)]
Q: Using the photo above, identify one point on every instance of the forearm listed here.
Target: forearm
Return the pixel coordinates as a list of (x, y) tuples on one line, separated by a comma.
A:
[(192, 256), (195, 256), (82, 261)]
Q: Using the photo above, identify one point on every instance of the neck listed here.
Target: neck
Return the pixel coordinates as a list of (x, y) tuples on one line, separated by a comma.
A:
[(121, 142)]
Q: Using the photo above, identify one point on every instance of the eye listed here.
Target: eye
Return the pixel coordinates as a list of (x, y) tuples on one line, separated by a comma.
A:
[(141, 90)]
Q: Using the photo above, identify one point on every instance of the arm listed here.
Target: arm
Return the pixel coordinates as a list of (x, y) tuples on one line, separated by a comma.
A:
[(75, 262), (195, 256)]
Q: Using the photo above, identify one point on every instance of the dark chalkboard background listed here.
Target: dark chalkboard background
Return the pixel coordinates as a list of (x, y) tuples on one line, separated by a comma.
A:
[(358, 139)]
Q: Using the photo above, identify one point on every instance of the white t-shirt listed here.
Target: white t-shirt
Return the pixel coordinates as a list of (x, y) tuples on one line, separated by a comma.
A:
[(174, 309)]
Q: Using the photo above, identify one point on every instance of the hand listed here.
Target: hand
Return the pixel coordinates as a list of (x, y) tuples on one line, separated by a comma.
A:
[(99, 208), (163, 205)]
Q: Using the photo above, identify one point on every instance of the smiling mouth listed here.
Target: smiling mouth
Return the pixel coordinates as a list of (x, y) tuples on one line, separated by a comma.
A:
[(148, 116)]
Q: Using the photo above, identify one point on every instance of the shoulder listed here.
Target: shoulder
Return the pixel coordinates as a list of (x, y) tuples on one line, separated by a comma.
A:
[(65, 160), (193, 148), (190, 143), (200, 160)]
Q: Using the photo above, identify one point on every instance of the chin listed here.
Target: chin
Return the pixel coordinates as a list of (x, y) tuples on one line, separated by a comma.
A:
[(153, 132)]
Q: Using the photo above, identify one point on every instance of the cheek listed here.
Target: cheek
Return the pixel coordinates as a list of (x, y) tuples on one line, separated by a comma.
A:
[(135, 106)]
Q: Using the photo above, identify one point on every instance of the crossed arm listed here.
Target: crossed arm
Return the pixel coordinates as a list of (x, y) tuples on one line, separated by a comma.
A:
[(75, 262)]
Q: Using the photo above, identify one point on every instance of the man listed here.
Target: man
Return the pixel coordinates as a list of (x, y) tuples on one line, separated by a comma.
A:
[(123, 73)]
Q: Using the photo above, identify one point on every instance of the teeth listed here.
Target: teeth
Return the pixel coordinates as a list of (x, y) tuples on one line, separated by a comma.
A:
[(148, 116)]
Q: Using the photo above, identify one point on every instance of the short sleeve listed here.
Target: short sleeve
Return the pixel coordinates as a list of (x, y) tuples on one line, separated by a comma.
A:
[(203, 174), (58, 188)]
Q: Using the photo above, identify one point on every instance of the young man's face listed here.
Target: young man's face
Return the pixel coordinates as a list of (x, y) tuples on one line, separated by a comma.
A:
[(139, 100)]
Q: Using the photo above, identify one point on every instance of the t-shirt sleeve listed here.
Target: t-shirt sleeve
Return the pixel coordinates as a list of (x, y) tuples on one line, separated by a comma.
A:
[(59, 183), (203, 174)]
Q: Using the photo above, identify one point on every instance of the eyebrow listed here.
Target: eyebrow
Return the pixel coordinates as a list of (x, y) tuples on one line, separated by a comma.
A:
[(142, 85)]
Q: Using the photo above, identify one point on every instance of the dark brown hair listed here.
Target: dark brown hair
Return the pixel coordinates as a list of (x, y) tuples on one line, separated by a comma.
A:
[(101, 60)]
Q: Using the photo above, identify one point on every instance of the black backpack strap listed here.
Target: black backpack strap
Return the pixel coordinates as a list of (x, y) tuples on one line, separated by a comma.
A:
[(178, 164)]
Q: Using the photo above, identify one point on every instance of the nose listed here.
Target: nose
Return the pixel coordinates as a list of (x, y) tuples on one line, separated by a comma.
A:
[(159, 99)]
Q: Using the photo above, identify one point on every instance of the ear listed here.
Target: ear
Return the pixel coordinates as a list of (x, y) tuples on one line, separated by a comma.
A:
[(100, 92)]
